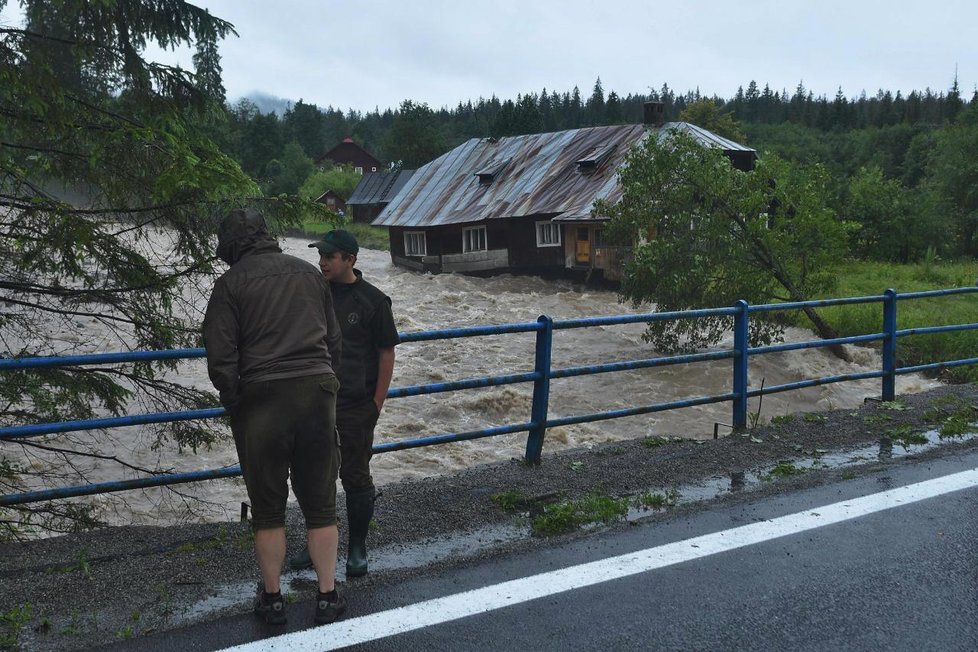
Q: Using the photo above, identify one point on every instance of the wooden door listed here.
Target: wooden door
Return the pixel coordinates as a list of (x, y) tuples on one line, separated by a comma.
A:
[(583, 248)]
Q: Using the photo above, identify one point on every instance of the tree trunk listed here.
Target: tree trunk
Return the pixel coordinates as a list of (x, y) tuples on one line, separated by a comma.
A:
[(826, 332)]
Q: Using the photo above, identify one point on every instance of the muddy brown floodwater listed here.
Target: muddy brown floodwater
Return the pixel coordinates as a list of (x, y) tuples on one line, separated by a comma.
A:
[(425, 302)]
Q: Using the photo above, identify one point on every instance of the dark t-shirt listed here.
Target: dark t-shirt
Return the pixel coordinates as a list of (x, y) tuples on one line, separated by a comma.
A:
[(367, 324)]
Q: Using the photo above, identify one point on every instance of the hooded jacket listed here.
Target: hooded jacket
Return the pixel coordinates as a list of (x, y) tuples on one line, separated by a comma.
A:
[(270, 316)]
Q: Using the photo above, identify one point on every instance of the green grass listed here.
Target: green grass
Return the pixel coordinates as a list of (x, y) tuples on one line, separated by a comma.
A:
[(877, 419), (568, 515), (242, 541), (871, 279), (906, 436), (368, 237), (11, 624), (896, 406), (649, 500), (512, 500), (953, 416), (949, 401), (957, 425), (655, 442), (782, 470), (82, 566)]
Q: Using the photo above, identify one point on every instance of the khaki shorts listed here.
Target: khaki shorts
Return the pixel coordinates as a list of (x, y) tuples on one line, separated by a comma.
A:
[(289, 426)]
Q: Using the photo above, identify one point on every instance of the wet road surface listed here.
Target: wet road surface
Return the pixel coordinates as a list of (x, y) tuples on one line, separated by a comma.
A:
[(885, 560)]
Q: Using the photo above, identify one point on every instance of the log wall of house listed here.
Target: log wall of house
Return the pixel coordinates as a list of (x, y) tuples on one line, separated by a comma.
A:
[(511, 245), (365, 213), (524, 254)]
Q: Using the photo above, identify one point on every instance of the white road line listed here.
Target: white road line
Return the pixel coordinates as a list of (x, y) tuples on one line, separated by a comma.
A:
[(489, 598)]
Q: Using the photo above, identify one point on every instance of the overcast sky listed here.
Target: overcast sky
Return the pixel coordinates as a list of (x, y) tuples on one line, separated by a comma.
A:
[(377, 53)]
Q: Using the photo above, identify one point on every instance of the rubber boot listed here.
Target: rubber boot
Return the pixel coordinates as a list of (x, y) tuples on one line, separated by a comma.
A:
[(301, 560), (359, 511)]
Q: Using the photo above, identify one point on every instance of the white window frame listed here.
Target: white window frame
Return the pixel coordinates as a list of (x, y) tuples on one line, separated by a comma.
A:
[(411, 240), (358, 169), (474, 238), (542, 228)]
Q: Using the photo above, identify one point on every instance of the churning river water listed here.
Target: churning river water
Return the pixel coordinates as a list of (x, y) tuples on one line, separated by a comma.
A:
[(425, 302)]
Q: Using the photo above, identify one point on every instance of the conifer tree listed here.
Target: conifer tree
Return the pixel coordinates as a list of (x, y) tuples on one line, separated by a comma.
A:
[(612, 110), (595, 104), (109, 195)]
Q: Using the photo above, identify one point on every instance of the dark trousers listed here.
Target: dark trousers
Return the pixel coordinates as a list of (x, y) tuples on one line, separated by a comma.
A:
[(288, 426), (356, 428)]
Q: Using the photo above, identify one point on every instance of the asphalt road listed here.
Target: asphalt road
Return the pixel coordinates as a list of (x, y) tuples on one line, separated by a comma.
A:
[(880, 561)]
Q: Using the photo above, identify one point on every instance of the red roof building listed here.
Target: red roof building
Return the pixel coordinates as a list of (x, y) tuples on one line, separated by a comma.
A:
[(349, 153)]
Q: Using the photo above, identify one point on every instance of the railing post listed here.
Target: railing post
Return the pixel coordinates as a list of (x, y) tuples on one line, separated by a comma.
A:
[(889, 344), (740, 366), (541, 390)]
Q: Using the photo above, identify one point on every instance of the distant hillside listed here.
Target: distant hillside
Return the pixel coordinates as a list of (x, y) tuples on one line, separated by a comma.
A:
[(269, 103)]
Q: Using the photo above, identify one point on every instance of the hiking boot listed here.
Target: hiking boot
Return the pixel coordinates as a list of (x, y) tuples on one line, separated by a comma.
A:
[(329, 607), (301, 560), (270, 608)]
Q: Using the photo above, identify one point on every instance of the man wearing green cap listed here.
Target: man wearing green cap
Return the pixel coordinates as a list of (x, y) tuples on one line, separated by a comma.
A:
[(369, 338)]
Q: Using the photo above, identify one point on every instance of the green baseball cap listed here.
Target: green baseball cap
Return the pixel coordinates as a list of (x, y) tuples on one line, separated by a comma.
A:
[(337, 240)]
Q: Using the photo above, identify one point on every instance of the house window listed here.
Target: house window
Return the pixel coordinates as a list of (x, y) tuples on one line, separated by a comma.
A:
[(474, 239), (548, 234), (415, 243), (358, 170), (599, 238)]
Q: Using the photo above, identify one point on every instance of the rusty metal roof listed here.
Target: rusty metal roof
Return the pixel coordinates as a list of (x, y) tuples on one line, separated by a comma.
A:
[(379, 187), (704, 137), (559, 174)]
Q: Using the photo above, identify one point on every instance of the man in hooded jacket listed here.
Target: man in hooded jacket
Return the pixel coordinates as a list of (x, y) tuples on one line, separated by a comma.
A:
[(272, 344)]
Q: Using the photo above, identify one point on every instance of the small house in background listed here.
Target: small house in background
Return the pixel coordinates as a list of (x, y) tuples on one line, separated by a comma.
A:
[(349, 153), (374, 192), (524, 203), (333, 201)]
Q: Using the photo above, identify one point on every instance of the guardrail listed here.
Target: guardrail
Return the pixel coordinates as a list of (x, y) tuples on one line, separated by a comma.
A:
[(540, 376)]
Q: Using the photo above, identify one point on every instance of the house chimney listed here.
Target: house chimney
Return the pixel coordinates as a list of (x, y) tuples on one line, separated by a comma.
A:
[(655, 114)]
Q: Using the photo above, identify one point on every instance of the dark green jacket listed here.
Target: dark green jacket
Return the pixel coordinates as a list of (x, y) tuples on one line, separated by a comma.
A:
[(270, 315)]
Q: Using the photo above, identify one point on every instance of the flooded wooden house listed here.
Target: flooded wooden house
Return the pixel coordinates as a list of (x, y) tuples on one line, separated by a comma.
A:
[(374, 192), (524, 203)]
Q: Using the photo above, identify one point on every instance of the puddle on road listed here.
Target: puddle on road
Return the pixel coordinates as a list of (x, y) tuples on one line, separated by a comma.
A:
[(399, 556), (422, 553), (224, 598), (384, 558), (715, 487)]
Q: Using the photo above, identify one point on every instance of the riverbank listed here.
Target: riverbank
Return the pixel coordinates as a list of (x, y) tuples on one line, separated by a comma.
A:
[(95, 588)]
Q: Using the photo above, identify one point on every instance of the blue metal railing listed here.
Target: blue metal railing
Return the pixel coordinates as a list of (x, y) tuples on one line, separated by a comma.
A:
[(541, 376)]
